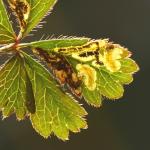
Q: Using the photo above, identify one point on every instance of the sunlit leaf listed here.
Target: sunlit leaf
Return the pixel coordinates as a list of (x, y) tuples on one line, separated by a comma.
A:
[(13, 89), (115, 71), (111, 83), (6, 32), (93, 98), (48, 45), (38, 9), (56, 112), (72, 67), (61, 70), (123, 78), (109, 86), (129, 66)]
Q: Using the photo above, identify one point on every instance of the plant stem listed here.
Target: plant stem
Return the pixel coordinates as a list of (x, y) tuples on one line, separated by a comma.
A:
[(9, 47), (6, 48)]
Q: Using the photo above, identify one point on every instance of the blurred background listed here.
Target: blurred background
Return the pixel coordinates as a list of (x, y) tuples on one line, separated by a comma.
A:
[(118, 125)]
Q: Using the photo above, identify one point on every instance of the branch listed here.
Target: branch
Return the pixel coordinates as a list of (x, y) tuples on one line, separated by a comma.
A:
[(6, 48)]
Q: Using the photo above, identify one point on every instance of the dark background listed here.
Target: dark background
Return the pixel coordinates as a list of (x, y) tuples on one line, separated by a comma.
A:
[(119, 125)]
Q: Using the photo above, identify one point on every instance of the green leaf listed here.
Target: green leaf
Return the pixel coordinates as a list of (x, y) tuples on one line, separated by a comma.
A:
[(56, 112), (110, 83), (128, 66), (13, 89), (6, 32), (121, 77), (38, 9), (109, 86), (48, 45), (93, 98)]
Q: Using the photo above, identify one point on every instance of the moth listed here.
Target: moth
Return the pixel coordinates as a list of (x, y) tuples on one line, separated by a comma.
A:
[(62, 70)]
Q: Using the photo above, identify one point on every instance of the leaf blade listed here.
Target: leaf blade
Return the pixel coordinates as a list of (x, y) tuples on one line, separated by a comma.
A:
[(7, 34), (108, 86), (47, 45), (38, 10), (93, 98), (129, 66), (55, 111), (13, 88), (123, 78)]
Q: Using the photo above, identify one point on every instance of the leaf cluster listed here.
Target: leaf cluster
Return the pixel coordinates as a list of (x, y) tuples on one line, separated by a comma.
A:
[(74, 68)]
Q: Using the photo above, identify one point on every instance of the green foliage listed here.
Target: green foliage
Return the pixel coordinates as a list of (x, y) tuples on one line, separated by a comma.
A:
[(72, 68), (13, 89), (38, 10), (6, 32), (55, 111), (54, 43)]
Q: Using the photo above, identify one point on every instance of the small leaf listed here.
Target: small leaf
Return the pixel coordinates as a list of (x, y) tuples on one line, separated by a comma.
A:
[(13, 89), (123, 78), (49, 45), (55, 111), (93, 98), (38, 9), (128, 66), (7, 34), (111, 83), (109, 86)]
